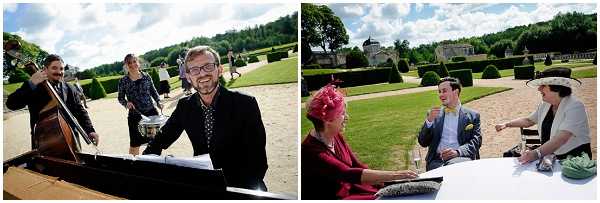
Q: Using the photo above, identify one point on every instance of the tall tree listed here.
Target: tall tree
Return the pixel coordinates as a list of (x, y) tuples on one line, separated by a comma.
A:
[(402, 48), (322, 28)]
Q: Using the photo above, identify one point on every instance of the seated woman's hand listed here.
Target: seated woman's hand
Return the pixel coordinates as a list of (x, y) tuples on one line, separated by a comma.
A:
[(407, 174)]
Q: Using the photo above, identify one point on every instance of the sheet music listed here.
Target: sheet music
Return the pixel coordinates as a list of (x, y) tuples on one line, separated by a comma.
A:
[(200, 162)]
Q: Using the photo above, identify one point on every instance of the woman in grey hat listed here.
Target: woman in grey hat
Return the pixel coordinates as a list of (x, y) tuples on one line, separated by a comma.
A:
[(561, 118)]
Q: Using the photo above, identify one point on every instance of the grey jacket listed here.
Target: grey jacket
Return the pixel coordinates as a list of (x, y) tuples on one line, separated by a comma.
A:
[(468, 139)]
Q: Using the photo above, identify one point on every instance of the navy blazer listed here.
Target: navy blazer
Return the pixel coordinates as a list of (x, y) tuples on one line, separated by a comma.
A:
[(238, 144), (469, 140)]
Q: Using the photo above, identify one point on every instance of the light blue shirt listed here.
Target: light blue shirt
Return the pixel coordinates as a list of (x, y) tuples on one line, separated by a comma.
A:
[(449, 137)]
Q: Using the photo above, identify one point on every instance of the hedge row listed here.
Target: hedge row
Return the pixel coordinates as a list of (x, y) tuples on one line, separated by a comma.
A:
[(253, 59), (349, 78), (109, 86), (239, 63), (475, 66), (524, 72), (464, 75), (276, 56)]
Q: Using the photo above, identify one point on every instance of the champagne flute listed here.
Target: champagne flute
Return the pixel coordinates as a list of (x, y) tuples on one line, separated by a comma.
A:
[(416, 157)]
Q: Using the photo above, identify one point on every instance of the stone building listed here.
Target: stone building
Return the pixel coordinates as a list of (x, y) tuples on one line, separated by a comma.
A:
[(448, 51)]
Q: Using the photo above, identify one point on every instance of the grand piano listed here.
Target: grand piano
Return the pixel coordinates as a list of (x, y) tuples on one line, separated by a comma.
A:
[(135, 179)]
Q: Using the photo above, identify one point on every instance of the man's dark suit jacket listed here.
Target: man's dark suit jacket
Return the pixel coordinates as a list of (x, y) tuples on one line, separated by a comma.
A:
[(238, 143), (36, 99), (468, 139)]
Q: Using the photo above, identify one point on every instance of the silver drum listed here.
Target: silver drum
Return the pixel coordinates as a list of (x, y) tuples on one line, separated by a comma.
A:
[(150, 126)]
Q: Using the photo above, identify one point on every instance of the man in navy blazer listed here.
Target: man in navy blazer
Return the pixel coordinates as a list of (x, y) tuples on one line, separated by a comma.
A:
[(452, 131)]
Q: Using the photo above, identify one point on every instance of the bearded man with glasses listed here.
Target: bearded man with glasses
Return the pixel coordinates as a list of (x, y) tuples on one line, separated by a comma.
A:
[(225, 124)]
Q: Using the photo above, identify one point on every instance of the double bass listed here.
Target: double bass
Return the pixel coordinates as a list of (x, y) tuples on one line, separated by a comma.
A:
[(56, 128)]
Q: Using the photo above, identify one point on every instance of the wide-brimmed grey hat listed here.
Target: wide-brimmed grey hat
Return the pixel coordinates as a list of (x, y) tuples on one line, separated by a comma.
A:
[(554, 76)]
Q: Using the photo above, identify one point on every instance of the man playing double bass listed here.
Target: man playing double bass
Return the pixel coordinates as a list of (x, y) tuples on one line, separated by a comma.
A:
[(34, 96)]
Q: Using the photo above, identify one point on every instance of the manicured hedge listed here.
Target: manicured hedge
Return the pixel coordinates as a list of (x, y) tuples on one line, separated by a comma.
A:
[(524, 72), (109, 86), (476, 66), (395, 76), (430, 78), (490, 72), (173, 71), (96, 90), (239, 63), (283, 54), (403, 65), (350, 78), (253, 59), (464, 75), (272, 57)]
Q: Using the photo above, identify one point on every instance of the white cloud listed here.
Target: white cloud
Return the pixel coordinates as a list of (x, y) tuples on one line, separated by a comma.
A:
[(88, 35), (354, 10), (449, 21), (9, 7)]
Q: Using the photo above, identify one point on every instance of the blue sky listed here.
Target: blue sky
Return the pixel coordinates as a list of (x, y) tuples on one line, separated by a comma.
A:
[(422, 23), (88, 35)]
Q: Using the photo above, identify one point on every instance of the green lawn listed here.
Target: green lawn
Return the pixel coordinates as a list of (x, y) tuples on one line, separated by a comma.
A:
[(285, 71), (587, 73), (382, 130), (367, 89)]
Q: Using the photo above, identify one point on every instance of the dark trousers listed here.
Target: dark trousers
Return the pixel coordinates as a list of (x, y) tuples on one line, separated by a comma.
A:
[(587, 148), (133, 119)]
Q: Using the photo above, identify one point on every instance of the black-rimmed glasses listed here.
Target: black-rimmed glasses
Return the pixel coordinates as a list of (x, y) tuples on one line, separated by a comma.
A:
[(209, 67)]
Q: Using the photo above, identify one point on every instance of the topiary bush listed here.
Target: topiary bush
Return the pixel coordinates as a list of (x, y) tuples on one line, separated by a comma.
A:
[(18, 76), (253, 59), (490, 72), (173, 71), (272, 57), (430, 78), (524, 72), (403, 65), (239, 63), (395, 76), (548, 60), (464, 75), (96, 90), (443, 70)]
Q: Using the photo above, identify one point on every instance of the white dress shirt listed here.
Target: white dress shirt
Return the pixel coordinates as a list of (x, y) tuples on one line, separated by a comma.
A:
[(449, 137)]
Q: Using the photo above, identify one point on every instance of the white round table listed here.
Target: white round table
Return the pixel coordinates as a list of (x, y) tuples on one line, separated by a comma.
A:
[(505, 178)]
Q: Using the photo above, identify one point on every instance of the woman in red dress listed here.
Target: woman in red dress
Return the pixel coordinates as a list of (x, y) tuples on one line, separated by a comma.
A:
[(329, 168)]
